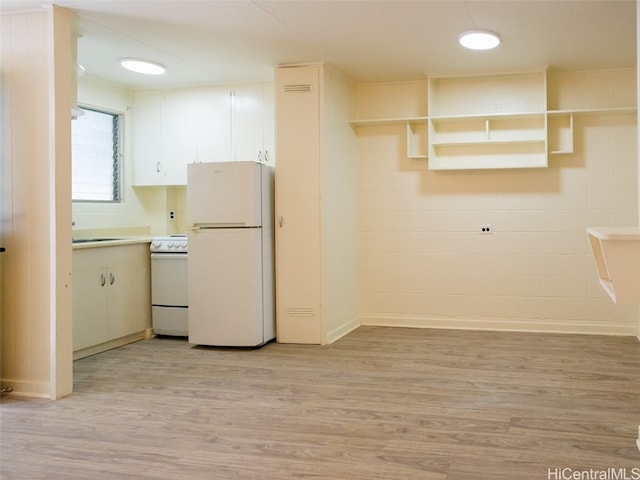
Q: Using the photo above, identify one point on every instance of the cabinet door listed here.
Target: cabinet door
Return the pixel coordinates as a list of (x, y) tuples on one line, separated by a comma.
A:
[(89, 307), (213, 119), (247, 123), (129, 298), (253, 122), (146, 132), (268, 123), (179, 134), (298, 231)]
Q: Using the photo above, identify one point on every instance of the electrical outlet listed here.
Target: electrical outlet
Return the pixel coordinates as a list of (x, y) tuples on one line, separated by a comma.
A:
[(486, 229), (172, 215)]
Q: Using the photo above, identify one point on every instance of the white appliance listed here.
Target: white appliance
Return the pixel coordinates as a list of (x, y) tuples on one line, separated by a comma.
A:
[(231, 254), (169, 296)]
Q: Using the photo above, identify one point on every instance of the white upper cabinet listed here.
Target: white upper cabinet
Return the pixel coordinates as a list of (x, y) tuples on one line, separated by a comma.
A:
[(179, 136), (146, 131), (252, 124), (173, 128), (213, 124)]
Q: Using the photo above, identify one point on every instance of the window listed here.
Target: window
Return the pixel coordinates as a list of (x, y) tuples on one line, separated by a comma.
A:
[(95, 155)]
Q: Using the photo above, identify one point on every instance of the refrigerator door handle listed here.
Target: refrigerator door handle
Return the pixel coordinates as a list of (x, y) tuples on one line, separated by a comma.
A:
[(207, 226), (280, 221)]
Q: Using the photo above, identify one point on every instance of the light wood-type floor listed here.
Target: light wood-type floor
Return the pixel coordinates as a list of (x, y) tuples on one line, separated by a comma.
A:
[(381, 403)]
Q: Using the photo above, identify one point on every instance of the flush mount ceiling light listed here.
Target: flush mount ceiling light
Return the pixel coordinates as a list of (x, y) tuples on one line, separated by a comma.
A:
[(142, 66), (479, 40)]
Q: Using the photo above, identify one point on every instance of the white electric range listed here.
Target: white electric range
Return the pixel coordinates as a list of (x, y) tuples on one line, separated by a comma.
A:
[(169, 299)]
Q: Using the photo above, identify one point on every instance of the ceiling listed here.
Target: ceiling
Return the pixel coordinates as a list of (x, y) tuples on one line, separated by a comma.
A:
[(216, 41)]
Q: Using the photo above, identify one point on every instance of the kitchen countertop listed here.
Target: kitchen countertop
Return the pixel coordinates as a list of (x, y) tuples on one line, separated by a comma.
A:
[(615, 233), (109, 242)]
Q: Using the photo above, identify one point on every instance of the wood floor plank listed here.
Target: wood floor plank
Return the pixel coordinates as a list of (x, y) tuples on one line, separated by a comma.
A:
[(381, 403)]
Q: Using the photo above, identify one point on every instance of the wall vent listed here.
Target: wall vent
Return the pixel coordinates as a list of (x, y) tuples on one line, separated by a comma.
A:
[(300, 312), (297, 88)]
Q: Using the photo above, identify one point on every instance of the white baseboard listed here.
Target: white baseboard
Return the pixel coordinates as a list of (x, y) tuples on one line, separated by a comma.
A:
[(511, 325), (342, 330), (118, 342), (26, 389)]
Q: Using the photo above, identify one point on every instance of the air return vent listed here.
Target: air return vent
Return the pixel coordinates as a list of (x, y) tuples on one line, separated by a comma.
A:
[(297, 88), (300, 312)]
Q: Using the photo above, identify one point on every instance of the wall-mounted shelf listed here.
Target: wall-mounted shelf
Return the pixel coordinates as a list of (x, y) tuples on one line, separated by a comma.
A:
[(487, 121), (496, 120), (417, 138), (417, 145), (385, 121), (560, 134), (593, 111), (484, 129)]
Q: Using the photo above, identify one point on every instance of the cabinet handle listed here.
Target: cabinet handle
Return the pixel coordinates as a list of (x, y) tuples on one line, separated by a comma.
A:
[(103, 280), (112, 278), (158, 167), (266, 156), (280, 221)]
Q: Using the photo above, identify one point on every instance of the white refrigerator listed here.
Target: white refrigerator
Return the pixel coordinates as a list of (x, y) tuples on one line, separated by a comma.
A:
[(231, 254)]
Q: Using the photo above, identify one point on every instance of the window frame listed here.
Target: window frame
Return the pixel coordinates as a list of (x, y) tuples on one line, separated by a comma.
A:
[(118, 131)]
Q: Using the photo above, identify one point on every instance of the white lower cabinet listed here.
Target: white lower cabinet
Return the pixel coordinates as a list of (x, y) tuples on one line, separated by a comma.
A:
[(111, 295)]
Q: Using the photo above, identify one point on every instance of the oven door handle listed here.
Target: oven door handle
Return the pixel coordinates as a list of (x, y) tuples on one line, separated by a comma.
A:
[(168, 255)]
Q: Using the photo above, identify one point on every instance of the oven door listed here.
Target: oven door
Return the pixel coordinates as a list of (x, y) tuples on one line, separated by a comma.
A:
[(169, 279)]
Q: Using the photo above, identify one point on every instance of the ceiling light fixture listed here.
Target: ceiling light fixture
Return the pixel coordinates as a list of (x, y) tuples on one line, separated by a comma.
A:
[(142, 66), (479, 40)]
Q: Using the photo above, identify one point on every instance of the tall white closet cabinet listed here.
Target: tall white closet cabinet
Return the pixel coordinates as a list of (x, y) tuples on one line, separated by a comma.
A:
[(316, 205)]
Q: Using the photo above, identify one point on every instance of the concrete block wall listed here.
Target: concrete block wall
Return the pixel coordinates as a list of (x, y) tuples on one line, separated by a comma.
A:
[(424, 261)]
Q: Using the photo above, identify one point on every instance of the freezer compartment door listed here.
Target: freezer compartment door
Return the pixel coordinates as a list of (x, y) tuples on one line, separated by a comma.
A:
[(226, 287), (224, 193)]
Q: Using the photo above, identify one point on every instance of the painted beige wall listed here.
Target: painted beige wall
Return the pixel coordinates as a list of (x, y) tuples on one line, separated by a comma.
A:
[(424, 263), (36, 278), (339, 207)]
